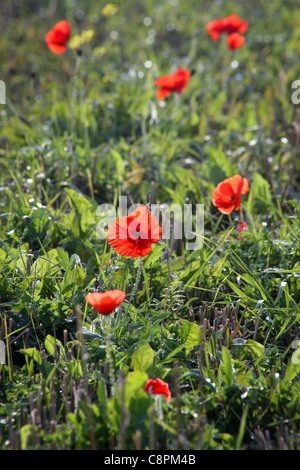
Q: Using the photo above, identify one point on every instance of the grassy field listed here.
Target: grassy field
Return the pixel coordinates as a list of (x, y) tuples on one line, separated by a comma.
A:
[(218, 324)]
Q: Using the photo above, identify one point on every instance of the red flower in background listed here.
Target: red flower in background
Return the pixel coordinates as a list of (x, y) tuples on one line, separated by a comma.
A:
[(134, 234), (235, 40), (175, 82), (233, 26), (214, 29), (158, 387), (57, 38), (105, 302), (242, 227), (227, 195)]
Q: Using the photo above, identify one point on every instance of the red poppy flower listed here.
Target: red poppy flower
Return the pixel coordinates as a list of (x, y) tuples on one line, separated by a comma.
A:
[(158, 387), (105, 302), (175, 82), (235, 40), (134, 234), (231, 25), (57, 38), (227, 195), (214, 29), (242, 227)]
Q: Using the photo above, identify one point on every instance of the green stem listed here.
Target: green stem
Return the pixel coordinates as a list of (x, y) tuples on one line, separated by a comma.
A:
[(74, 96), (241, 214), (110, 361), (134, 290), (8, 350)]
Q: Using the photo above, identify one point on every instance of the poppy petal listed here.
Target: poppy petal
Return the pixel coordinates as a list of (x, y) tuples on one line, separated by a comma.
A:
[(57, 38), (175, 82), (64, 27), (245, 186), (214, 28), (163, 93), (235, 40), (229, 25), (227, 194), (133, 235), (155, 231), (243, 27), (167, 81), (56, 48), (226, 210), (235, 183), (158, 387), (105, 302)]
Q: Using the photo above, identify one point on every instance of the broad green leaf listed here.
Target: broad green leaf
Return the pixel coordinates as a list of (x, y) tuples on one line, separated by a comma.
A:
[(292, 368), (191, 334), (174, 352), (63, 258), (143, 358), (52, 344), (118, 163), (217, 158), (46, 265), (260, 197), (38, 224), (257, 349), (83, 216), (34, 354), (25, 432), (227, 367), (134, 381)]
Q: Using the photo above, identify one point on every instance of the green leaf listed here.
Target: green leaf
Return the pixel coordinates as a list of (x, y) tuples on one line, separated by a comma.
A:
[(143, 358), (219, 162), (63, 258), (34, 354), (174, 352), (257, 349), (53, 345), (38, 224), (134, 381), (83, 216), (191, 334), (46, 265), (242, 428), (118, 163), (237, 290), (227, 367), (25, 432), (259, 194), (292, 369), (249, 277)]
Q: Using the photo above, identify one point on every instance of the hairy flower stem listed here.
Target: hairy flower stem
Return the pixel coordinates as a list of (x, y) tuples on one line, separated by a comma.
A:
[(241, 214), (74, 96), (110, 362), (135, 288)]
